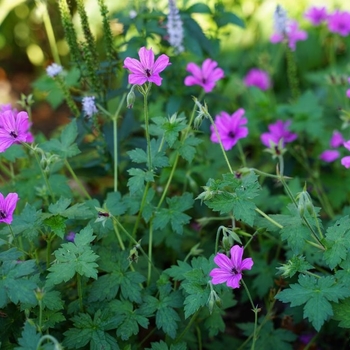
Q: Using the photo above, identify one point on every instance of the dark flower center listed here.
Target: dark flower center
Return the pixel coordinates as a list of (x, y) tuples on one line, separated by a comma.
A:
[(148, 73), (234, 271), (14, 134), (2, 214), (231, 134)]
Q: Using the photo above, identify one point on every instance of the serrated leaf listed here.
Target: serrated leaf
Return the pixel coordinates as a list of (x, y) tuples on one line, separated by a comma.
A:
[(342, 313), (174, 213), (57, 224), (115, 204), (13, 153), (187, 149), (316, 294), (232, 194), (337, 240), (29, 338), (60, 206), (65, 146), (139, 177)]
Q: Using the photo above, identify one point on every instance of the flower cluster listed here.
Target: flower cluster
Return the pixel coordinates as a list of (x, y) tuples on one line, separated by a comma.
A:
[(330, 155), (14, 127), (89, 107), (258, 78), (316, 15), (53, 70), (230, 128), (285, 28), (175, 28), (230, 269)]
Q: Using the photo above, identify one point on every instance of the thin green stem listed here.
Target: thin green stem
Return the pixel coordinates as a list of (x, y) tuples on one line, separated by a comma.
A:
[(117, 233), (188, 326), (50, 338), (76, 179), (150, 248), (242, 155), (143, 202), (80, 292), (269, 175), (50, 33), (255, 310), (268, 218), (40, 302)]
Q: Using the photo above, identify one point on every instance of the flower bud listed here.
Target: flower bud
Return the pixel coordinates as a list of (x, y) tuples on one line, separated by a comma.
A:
[(130, 98)]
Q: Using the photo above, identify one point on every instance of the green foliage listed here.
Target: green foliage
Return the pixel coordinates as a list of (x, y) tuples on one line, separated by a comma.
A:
[(337, 242), (342, 313), (29, 338), (174, 213), (72, 258), (65, 146), (233, 194), (317, 295), (138, 178), (93, 330), (163, 346)]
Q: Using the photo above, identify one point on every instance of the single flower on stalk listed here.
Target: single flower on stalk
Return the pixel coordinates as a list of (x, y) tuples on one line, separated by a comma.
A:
[(278, 131), (205, 76), (258, 78), (316, 15), (292, 34), (230, 128), (146, 69), (14, 128), (7, 207), (230, 269)]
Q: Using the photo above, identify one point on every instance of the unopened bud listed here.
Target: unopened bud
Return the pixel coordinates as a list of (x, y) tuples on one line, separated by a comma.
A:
[(130, 98)]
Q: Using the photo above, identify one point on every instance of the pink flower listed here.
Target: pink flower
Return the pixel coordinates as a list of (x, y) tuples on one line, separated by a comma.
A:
[(205, 76), (345, 161), (258, 78), (146, 69), (230, 128), (339, 22), (348, 93), (14, 128), (316, 15), (278, 131), (7, 207), (230, 270), (293, 34), (337, 139), (329, 155)]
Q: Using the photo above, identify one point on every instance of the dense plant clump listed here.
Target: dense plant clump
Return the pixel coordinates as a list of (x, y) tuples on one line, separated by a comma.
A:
[(198, 196)]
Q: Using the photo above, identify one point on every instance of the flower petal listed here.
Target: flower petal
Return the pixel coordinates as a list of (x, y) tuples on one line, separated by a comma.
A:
[(236, 256), (247, 264), (223, 262), (146, 58), (160, 64), (219, 276), (233, 281)]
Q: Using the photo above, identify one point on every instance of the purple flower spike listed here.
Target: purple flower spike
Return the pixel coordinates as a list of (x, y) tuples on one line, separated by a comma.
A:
[(258, 78), (278, 131), (230, 128), (7, 207), (329, 155), (230, 270), (316, 15), (339, 22), (205, 76), (146, 69), (14, 128)]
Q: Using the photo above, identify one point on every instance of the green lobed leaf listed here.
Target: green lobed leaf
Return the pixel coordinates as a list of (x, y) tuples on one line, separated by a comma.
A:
[(342, 313), (136, 182), (29, 338), (163, 346), (174, 213), (187, 148), (337, 242), (316, 294)]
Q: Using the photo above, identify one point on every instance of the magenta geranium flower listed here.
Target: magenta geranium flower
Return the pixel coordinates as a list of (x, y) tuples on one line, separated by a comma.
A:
[(14, 128), (337, 139), (7, 207), (230, 128), (339, 22), (345, 161), (205, 76), (278, 131), (146, 69), (329, 155), (258, 78), (293, 34), (316, 15), (230, 269)]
